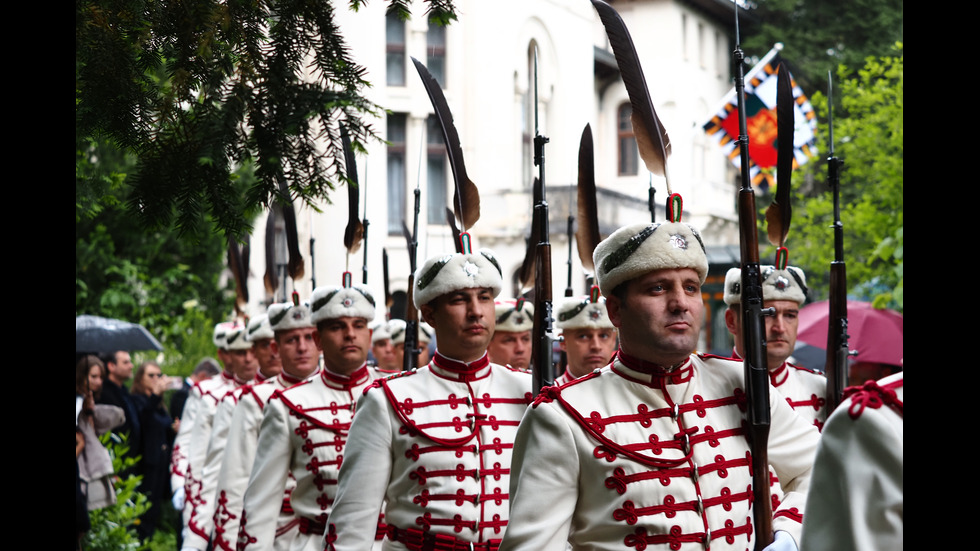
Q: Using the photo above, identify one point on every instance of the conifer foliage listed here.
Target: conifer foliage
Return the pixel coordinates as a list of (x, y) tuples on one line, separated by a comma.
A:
[(199, 88)]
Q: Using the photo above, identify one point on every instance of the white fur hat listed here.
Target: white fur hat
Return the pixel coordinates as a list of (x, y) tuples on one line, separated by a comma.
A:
[(452, 272), (788, 284), (514, 316), (634, 250), (583, 313), (425, 332), (235, 338), (396, 329), (379, 332), (354, 301), (284, 316), (220, 330), (259, 328)]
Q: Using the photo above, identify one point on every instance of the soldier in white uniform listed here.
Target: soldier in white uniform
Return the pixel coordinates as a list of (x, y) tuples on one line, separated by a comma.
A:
[(511, 342), (206, 396), (304, 427), (651, 452), (200, 523), (588, 337), (292, 341), (431, 448), (785, 292), (178, 458), (856, 498)]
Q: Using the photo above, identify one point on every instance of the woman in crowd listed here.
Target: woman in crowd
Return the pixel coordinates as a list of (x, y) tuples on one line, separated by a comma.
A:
[(149, 384)]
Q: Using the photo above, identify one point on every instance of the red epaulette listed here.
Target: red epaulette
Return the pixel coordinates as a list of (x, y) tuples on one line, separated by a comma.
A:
[(874, 396)]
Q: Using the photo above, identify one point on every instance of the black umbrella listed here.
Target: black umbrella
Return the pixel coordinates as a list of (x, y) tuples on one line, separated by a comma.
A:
[(94, 334)]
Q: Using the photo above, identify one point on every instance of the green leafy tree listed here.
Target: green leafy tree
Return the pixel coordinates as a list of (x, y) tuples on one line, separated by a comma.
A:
[(868, 134), (197, 89), (819, 35)]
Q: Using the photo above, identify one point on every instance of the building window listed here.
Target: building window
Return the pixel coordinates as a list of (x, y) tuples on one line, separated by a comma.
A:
[(435, 52), (628, 153), (437, 168), (396, 172), (395, 51)]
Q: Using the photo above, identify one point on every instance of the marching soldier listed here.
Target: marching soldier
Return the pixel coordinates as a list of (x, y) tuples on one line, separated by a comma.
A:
[(588, 337), (651, 451), (304, 427), (190, 446), (785, 292), (258, 333), (511, 342), (856, 502), (292, 342), (431, 448)]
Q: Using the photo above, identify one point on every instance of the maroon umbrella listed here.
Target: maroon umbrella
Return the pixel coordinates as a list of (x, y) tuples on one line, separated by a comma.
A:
[(877, 335)]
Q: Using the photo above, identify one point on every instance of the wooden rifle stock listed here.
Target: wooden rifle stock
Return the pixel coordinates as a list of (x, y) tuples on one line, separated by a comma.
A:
[(542, 366), (753, 327)]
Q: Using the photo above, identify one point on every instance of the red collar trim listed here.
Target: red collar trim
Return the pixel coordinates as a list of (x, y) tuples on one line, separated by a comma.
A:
[(337, 380), (779, 375), (290, 380), (680, 374), (461, 371)]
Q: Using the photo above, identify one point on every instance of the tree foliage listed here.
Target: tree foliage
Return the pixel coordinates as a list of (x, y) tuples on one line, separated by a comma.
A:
[(868, 132), (819, 35), (196, 89)]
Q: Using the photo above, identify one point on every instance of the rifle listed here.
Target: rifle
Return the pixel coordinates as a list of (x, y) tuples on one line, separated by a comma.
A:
[(410, 358), (542, 366), (837, 346), (753, 326)]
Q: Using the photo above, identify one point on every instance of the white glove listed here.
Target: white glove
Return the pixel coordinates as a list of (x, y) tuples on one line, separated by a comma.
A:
[(782, 541), (178, 499)]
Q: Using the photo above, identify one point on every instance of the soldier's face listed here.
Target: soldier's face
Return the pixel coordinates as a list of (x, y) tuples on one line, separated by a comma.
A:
[(269, 362), (511, 348), (781, 330), (384, 353), (659, 317), (297, 350), (464, 321), (243, 364), (344, 343), (588, 349)]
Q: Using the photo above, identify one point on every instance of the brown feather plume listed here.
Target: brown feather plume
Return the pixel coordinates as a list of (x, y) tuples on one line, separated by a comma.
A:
[(780, 211), (466, 197), (240, 273), (271, 278), (587, 235), (354, 233), (295, 265), (526, 274), (651, 136)]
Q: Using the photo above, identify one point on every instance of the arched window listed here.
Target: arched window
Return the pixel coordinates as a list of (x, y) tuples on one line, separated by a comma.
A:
[(628, 153)]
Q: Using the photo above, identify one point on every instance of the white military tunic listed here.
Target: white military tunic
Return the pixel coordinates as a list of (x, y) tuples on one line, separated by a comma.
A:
[(304, 429), (200, 524), (856, 498), (636, 458), (236, 466), (431, 449), (193, 437)]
